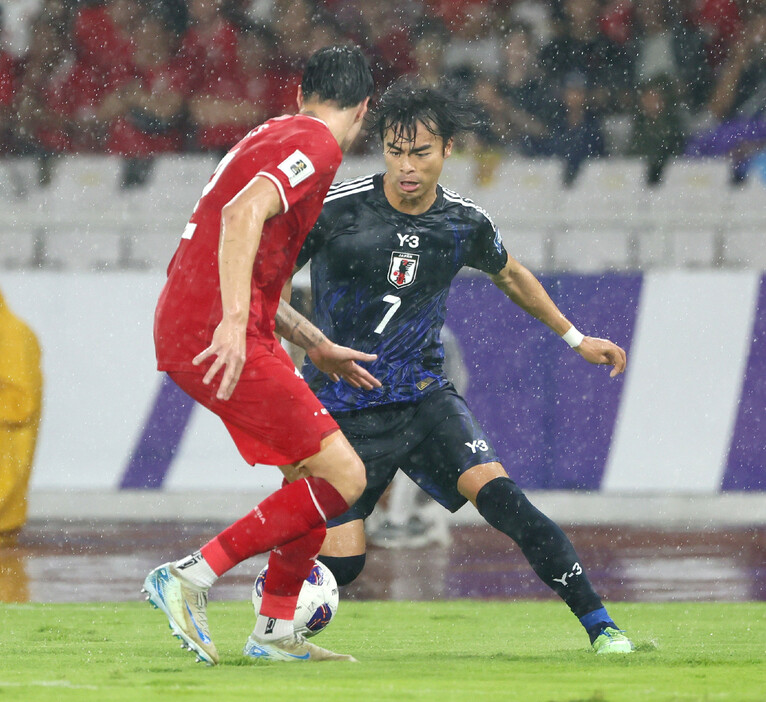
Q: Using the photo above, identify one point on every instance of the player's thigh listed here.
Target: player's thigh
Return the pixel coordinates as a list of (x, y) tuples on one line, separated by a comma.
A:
[(272, 415), (454, 445), (345, 540)]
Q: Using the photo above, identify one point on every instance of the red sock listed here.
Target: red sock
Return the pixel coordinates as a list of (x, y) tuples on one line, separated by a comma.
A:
[(286, 515), (289, 566)]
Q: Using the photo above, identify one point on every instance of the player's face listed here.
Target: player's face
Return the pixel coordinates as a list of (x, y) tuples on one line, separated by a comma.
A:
[(413, 168)]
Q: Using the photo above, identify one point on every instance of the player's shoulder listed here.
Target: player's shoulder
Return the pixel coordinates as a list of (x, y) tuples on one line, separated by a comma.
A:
[(465, 207), (297, 147), (287, 131), (350, 192)]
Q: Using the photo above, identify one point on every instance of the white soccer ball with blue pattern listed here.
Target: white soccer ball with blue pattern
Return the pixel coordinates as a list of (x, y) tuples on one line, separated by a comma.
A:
[(317, 603)]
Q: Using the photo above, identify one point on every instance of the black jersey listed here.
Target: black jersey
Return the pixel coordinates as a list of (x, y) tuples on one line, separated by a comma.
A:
[(380, 279)]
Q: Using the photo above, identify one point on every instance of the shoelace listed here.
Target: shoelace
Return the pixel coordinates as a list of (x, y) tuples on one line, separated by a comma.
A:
[(200, 613)]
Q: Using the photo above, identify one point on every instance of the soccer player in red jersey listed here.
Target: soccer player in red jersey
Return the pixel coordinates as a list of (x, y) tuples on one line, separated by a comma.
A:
[(214, 335)]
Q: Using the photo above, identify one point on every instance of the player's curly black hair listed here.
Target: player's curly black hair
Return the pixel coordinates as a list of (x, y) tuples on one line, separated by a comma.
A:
[(444, 110), (339, 73)]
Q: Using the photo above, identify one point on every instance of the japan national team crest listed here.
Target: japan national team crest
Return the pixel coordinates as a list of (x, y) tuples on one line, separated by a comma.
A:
[(403, 268)]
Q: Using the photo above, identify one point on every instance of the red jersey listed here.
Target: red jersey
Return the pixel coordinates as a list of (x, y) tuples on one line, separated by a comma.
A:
[(300, 156)]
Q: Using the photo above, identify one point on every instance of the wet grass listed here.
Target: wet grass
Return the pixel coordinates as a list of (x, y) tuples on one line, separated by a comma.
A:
[(458, 650)]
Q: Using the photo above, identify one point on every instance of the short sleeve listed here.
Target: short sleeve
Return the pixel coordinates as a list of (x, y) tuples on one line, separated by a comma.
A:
[(297, 172), (486, 251)]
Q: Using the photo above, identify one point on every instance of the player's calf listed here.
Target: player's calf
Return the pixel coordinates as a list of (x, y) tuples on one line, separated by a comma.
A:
[(553, 557)]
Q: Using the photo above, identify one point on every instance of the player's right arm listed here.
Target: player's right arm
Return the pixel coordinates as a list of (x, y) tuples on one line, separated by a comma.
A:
[(242, 221)]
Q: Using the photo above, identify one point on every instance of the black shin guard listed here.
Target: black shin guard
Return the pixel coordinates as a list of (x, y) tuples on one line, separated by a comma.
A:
[(550, 553), (344, 568)]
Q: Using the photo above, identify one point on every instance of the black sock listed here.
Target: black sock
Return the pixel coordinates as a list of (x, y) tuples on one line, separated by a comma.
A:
[(550, 553), (344, 568)]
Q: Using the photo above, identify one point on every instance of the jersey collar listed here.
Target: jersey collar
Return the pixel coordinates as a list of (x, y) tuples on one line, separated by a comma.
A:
[(435, 205), (316, 119)]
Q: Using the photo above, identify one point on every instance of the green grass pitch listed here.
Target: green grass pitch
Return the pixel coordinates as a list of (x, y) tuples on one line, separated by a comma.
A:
[(447, 650)]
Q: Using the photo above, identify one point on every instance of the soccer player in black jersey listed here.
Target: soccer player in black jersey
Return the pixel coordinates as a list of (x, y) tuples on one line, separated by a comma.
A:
[(383, 254)]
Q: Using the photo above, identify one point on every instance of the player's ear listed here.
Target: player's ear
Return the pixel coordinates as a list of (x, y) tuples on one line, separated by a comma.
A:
[(362, 111), (448, 147), (299, 98)]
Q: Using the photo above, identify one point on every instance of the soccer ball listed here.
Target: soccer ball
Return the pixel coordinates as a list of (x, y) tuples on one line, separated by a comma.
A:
[(317, 602)]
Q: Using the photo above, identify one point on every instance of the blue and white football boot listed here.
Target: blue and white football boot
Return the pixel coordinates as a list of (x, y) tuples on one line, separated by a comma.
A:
[(185, 606)]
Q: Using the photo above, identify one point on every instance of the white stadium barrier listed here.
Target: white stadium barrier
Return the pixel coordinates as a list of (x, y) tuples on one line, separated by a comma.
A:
[(609, 219)]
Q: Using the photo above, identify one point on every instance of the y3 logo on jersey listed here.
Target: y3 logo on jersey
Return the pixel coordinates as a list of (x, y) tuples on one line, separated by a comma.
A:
[(478, 445), (403, 268), (411, 240)]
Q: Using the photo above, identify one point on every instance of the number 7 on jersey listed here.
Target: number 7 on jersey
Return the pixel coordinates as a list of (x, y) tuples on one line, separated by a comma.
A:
[(395, 303)]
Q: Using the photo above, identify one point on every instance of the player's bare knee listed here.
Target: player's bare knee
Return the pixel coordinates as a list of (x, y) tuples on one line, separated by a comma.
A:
[(340, 466), (350, 471)]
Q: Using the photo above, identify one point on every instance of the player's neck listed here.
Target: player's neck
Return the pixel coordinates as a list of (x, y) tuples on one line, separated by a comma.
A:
[(339, 122), (410, 206)]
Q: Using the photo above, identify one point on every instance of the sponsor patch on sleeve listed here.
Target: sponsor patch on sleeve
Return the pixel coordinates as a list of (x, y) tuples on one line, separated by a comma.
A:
[(297, 167), (498, 240)]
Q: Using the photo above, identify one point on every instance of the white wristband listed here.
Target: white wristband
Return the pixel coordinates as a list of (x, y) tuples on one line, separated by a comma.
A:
[(573, 337)]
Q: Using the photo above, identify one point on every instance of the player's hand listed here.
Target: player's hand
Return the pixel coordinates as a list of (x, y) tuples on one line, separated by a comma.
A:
[(603, 352), (340, 362), (229, 348)]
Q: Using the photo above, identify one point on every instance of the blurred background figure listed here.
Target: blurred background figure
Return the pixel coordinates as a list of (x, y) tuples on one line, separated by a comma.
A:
[(657, 134), (664, 43), (429, 42), (737, 105), (473, 49), (144, 112), (580, 47), (225, 109), (47, 98), (517, 105), (103, 36), (7, 78), (577, 132), (20, 406), (720, 23)]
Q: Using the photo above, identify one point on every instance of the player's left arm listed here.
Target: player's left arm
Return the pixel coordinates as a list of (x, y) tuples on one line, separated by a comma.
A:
[(521, 286), (334, 360)]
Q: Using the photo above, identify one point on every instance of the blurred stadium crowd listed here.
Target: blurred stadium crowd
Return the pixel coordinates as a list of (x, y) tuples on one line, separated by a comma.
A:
[(570, 79)]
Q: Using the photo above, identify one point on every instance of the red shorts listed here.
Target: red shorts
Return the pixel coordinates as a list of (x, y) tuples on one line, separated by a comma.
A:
[(272, 415)]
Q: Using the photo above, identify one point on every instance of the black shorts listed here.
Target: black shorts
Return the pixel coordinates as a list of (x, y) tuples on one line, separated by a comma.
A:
[(433, 441)]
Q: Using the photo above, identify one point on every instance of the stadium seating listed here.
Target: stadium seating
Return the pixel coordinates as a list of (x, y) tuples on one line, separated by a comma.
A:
[(608, 220)]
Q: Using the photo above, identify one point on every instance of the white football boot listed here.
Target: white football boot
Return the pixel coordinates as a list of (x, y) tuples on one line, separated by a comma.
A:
[(185, 606), (292, 649)]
